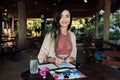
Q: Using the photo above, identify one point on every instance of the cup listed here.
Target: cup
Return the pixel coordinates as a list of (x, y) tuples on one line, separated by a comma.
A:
[(33, 66)]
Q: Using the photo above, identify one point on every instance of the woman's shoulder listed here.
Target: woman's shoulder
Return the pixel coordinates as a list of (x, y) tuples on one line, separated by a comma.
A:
[(72, 33), (48, 35)]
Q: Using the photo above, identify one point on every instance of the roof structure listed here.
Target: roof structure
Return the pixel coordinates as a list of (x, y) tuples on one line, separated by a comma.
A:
[(79, 8)]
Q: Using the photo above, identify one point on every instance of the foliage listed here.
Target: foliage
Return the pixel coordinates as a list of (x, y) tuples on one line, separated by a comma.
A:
[(115, 35), (73, 29), (34, 29), (47, 28), (37, 25), (114, 24), (90, 29), (29, 31)]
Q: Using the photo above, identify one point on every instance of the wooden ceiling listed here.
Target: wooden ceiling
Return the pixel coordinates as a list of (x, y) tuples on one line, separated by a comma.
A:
[(79, 8)]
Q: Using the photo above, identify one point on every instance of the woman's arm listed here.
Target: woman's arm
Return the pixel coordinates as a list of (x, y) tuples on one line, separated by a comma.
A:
[(44, 51)]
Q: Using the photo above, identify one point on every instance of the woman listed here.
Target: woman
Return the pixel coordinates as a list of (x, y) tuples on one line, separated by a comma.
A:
[(59, 44)]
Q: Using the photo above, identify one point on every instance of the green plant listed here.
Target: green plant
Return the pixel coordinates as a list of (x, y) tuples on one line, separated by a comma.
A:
[(37, 25)]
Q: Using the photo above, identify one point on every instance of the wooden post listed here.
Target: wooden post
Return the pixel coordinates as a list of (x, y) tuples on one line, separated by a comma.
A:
[(0, 27), (107, 22), (13, 24), (22, 25), (96, 26)]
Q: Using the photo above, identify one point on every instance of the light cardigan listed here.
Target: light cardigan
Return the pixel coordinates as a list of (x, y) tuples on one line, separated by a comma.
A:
[(48, 47)]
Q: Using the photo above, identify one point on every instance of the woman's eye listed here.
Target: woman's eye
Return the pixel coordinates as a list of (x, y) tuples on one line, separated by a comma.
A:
[(67, 16)]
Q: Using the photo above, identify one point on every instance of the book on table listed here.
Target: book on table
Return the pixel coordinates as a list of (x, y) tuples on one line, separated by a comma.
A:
[(63, 71), (53, 66)]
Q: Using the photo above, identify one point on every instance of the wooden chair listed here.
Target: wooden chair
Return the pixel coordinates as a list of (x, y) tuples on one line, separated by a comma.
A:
[(113, 58)]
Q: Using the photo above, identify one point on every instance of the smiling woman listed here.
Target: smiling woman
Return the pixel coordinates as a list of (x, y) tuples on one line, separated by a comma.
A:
[(59, 45)]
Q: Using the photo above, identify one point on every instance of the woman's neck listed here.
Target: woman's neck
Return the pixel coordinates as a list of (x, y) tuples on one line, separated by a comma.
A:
[(64, 31)]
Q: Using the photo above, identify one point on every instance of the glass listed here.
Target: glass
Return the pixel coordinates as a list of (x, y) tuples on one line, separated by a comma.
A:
[(33, 66)]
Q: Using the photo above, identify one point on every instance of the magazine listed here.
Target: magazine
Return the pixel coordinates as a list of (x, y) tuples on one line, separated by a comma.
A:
[(72, 73)]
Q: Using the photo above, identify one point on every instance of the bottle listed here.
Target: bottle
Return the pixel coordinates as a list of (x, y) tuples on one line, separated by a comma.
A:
[(33, 65)]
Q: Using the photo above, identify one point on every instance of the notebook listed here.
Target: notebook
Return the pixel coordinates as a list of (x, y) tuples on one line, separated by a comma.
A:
[(53, 66)]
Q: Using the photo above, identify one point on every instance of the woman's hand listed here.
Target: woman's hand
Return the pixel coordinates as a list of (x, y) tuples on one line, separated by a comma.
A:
[(70, 59), (58, 61), (51, 60), (55, 60)]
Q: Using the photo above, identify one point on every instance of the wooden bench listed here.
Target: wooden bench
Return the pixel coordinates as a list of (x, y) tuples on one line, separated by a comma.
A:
[(110, 54)]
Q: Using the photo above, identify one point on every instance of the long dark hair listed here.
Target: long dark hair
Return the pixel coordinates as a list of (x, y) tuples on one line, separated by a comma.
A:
[(55, 31)]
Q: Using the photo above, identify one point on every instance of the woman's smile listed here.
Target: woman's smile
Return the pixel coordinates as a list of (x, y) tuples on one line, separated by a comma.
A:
[(65, 19)]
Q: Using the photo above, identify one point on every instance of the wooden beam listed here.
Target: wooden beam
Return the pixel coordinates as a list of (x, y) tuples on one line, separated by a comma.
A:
[(107, 21)]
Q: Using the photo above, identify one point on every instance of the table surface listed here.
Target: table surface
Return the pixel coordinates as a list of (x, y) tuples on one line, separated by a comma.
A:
[(93, 71)]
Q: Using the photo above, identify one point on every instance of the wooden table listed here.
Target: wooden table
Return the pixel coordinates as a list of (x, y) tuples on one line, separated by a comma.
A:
[(27, 76), (97, 71), (93, 71)]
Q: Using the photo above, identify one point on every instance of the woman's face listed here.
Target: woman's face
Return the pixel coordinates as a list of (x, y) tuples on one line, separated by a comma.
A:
[(65, 18)]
